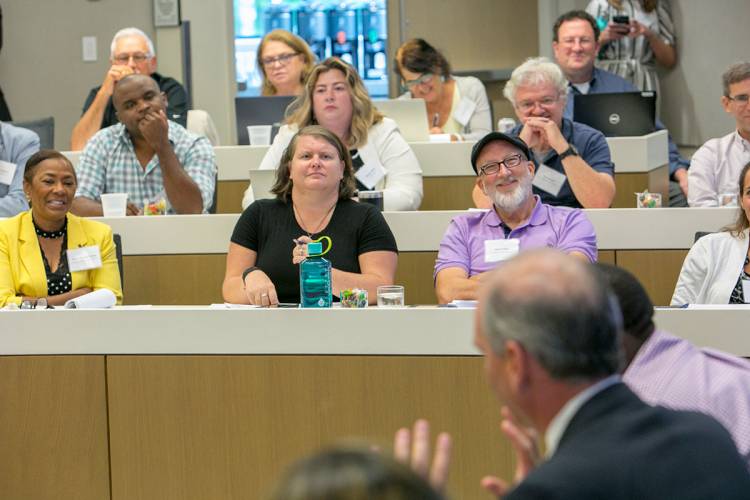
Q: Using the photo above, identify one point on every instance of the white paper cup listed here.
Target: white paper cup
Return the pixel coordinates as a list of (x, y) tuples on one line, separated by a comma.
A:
[(114, 204), (259, 135)]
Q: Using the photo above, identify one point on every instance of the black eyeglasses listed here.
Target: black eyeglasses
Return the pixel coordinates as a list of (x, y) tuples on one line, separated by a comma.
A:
[(742, 99), (283, 59), (510, 163)]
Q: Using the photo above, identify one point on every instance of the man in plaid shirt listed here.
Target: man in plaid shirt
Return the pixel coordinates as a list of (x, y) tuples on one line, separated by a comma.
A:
[(146, 156)]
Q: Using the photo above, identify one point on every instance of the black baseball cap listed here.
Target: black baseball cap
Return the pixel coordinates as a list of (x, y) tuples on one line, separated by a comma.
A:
[(497, 136)]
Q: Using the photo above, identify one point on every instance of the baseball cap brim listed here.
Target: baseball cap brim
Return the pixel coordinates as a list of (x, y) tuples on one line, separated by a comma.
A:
[(497, 136)]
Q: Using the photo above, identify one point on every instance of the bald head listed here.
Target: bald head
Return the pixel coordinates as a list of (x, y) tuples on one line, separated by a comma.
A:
[(558, 309), (134, 97), (129, 82)]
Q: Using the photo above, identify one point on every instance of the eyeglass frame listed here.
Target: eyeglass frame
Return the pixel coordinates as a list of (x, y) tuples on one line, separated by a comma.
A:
[(137, 57), (504, 163), (547, 102), (741, 99), (421, 80), (282, 59)]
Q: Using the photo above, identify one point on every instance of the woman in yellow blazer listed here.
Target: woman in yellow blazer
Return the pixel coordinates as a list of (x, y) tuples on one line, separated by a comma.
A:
[(35, 245)]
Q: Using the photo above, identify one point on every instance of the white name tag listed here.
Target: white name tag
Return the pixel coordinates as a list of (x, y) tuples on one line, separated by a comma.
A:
[(548, 180), (7, 171), (464, 110), (84, 258), (370, 174), (746, 291), (498, 250)]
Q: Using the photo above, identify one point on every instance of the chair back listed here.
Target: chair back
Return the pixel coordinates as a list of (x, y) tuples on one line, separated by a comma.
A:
[(44, 128)]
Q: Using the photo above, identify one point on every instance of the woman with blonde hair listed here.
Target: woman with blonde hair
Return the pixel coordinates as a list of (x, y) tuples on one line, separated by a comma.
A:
[(284, 60), (335, 98)]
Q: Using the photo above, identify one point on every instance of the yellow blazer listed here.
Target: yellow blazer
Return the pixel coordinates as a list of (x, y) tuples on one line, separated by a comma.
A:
[(22, 268)]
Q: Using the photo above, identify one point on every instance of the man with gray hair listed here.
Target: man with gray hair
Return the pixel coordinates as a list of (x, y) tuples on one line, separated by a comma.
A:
[(477, 242), (132, 51), (575, 168), (550, 332), (716, 166)]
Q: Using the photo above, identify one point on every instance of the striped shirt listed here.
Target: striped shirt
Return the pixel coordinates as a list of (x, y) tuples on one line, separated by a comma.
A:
[(109, 165), (672, 372)]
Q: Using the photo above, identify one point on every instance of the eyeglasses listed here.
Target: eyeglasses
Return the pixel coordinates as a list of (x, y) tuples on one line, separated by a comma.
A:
[(425, 78), (545, 102), (741, 99), (283, 59), (511, 162), (137, 57)]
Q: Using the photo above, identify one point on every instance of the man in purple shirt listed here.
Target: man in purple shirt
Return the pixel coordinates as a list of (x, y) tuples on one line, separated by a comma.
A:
[(477, 241), (669, 371)]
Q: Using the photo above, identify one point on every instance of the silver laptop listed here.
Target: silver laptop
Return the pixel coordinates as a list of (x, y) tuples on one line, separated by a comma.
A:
[(262, 181), (409, 114)]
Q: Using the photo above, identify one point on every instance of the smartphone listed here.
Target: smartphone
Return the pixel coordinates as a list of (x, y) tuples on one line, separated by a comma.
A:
[(621, 19)]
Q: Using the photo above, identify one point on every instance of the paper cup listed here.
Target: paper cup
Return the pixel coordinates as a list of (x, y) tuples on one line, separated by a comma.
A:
[(259, 135), (114, 204)]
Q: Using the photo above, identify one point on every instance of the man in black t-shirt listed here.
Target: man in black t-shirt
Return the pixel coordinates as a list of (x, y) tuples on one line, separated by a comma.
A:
[(131, 52)]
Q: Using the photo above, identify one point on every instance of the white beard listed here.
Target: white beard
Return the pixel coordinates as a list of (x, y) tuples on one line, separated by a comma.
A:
[(510, 202)]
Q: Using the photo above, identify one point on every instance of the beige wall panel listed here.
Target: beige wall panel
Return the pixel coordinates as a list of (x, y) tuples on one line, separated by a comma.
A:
[(657, 270), (225, 427), (53, 428)]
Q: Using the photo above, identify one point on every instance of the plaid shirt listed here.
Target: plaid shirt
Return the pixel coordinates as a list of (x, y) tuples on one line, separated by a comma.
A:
[(109, 165)]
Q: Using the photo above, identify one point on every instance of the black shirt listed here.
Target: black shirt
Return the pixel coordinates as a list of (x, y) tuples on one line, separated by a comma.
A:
[(268, 227), (177, 106)]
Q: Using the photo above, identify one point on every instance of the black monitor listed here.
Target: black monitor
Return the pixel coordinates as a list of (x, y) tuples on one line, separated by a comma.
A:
[(259, 111), (617, 114)]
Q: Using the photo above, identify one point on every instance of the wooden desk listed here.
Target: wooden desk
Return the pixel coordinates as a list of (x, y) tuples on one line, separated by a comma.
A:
[(195, 403), (181, 259)]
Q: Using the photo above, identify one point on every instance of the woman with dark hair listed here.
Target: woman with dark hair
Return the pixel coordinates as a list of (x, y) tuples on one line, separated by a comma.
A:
[(717, 268), (336, 98), (35, 245), (456, 105), (284, 60), (352, 474), (314, 188)]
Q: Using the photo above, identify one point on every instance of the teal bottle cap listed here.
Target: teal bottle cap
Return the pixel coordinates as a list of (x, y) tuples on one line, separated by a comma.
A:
[(315, 248)]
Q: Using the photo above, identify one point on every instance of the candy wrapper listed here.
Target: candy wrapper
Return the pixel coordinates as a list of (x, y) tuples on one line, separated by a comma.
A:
[(354, 298), (648, 200), (158, 207)]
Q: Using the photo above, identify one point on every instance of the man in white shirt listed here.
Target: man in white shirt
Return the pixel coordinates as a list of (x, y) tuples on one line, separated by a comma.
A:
[(713, 177)]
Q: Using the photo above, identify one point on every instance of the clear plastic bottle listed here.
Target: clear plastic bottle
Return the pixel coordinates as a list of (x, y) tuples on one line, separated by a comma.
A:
[(315, 278)]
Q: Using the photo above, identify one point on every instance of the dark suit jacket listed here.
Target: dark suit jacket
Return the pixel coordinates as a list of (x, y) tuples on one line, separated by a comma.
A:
[(617, 447)]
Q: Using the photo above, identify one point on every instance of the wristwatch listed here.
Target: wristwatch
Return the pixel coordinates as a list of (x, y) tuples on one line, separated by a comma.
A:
[(571, 151)]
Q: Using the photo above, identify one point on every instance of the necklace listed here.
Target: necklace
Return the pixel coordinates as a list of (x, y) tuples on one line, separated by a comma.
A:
[(51, 234), (318, 226)]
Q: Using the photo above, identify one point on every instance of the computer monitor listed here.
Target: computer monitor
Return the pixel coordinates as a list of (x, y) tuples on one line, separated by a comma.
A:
[(266, 110), (409, 114), (617, 114)]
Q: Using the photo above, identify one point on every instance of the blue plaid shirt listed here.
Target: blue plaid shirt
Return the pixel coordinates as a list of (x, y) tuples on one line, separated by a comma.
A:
[(109, 165)]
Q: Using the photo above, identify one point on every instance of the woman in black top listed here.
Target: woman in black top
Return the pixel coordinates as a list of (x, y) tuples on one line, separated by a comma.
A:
[(314, 186)]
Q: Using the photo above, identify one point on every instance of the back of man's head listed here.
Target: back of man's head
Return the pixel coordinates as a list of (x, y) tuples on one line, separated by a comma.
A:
[(559, 310), (572, 16)]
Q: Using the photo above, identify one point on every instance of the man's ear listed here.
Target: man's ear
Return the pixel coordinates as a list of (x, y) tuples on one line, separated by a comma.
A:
[(480, 184), (517, 365), (164, 99), (725, 102)]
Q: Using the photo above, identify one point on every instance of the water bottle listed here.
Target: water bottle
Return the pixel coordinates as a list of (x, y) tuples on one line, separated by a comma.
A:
[(315, 278)]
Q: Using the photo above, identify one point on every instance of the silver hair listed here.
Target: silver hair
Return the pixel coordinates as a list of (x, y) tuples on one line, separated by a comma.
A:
[(535, 71), (736, 73), (125, 32), (572, 328)]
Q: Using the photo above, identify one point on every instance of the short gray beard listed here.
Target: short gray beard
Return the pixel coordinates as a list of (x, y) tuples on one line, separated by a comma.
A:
[(510, 202)]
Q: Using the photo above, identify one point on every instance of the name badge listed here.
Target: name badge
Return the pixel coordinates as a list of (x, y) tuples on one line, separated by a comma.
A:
[(84, 258), (548, 180), (746, 291), (464, 110), (499, 250), (7, 171), (370, 174)]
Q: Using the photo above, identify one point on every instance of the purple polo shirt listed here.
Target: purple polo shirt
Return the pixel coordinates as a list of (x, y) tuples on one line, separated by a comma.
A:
[(672, 372), (566, 229)]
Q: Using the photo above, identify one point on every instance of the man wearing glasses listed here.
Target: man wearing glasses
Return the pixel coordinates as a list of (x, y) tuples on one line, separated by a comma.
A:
[(716, 166), (131, 52), (477, 242), (575, 45)]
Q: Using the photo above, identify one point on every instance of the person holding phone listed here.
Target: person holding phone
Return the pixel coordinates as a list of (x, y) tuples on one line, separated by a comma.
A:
[(636, 35)]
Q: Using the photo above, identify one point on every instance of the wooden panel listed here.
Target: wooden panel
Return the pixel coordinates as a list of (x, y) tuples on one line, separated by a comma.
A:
[(657, 270), (229, 196), (447, 193), (224, 427), (606, 257), (656, 181), (53, 428), (415, 273), (174, 279)]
